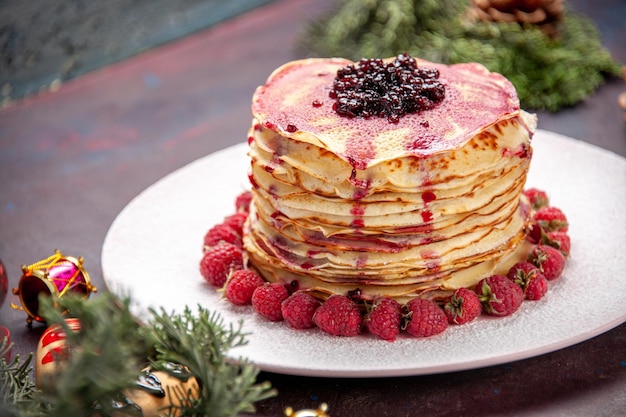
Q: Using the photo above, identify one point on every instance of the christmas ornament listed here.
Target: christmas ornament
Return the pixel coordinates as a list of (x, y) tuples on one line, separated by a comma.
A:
[(52, 350), (5, 344), (4, 283), (159, 393), (319, 412), (54, 276)]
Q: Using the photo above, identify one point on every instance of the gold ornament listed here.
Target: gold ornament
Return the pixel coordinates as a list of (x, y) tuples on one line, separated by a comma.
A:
[(319, 412), (157, 391)]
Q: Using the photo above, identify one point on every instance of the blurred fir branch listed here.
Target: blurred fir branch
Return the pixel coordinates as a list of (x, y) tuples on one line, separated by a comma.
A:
[(548, 73), (16, 386), (111, 348)]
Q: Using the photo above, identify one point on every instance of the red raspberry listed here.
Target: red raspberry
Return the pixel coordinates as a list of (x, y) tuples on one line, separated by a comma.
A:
[(338, 316), (242, 202), (549, 260), (241, 285), (551, 219), (298, 310), (221, 233), (384, 319), (537, 288), (267, 298), (530, 279), (424, 318), (462, 307), (218, 261), (236, 221), (537, 198), (535, 233), (559, 240), (499, 295)]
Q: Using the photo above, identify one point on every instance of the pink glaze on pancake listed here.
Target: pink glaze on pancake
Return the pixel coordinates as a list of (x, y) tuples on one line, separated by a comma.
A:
[(295, 103)]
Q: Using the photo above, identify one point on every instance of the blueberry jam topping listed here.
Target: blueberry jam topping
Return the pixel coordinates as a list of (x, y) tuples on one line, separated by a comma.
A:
[(390, 90)]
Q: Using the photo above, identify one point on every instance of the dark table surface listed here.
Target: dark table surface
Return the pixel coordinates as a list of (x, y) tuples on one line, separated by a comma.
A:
[(70, 160)]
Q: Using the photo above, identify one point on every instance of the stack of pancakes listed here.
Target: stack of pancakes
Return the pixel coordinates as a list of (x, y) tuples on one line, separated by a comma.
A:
[(414, 208)]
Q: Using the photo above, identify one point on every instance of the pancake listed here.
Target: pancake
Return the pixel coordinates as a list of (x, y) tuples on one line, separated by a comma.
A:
[(413, 208)]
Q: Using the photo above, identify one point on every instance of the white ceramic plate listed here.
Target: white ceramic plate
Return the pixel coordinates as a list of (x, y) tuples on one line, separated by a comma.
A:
[(153, 249)]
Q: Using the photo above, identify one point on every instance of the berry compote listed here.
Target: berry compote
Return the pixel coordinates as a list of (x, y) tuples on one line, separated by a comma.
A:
[(372, 87)]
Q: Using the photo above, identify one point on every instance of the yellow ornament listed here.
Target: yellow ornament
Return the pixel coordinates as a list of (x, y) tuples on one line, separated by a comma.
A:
[(319, 412)]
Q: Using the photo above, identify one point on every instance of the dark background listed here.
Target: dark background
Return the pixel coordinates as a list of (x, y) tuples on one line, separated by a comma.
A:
[(43, 43)]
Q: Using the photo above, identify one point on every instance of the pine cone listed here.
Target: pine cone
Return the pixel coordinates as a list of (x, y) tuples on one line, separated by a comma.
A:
[(543, 13)]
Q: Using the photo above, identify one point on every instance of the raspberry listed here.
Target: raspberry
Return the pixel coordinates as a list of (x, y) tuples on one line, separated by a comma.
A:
[(537, 198), (384, 319), (236, 221), (559, 240), (535, 233), (551, 219), (298, 310), (537, 288), (424, 318), (218, 261), (221, 233), (462, 307), (499, 295), (242, 202), (267, 298), (530, 279), (338, 316), (549, 260), (240, 286)]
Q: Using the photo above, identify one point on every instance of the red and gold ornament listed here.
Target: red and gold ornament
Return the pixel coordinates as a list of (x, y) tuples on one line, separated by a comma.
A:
[(52, 351)]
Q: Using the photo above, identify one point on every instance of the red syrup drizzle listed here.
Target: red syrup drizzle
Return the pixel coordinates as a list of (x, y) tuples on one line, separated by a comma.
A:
[(253, 182), (357, 213), (307, 265), (427, 198), (432, 257), (361, 261), (522, 151), (361, 190), (432, 260)]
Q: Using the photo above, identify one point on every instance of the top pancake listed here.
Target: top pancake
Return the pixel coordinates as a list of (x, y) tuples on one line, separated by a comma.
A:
[(475, 99)]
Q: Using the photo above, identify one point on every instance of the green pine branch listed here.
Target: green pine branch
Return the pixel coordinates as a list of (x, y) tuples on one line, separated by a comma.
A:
[(112, 346), (201, 341), (16, 386), (547, 73)]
